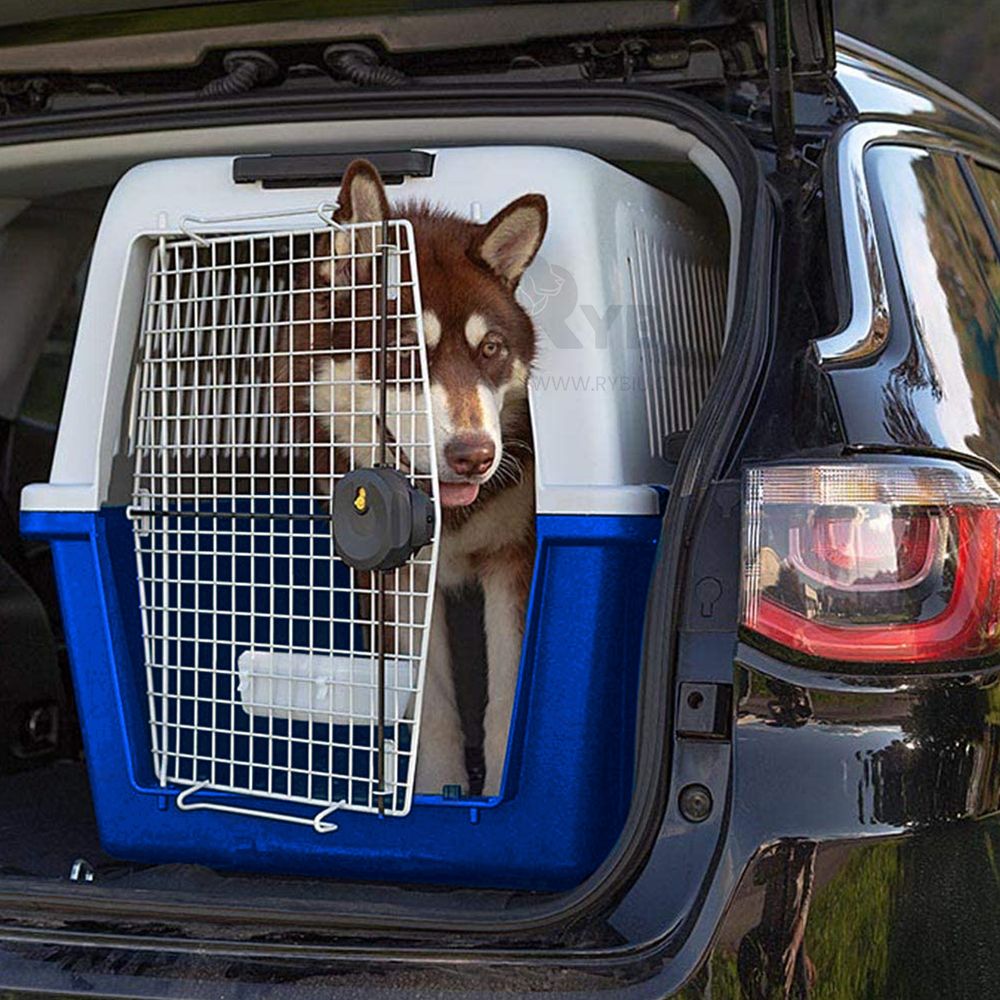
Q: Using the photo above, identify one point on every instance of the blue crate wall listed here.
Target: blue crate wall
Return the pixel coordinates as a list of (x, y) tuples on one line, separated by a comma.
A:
[(568, 778)]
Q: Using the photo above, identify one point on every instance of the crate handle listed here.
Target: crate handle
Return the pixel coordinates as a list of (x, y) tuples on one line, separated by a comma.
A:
[(318, 822), (193, 226)]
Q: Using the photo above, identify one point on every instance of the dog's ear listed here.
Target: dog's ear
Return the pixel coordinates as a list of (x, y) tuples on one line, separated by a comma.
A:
[(507, 244), (362, 200), (362, 195)]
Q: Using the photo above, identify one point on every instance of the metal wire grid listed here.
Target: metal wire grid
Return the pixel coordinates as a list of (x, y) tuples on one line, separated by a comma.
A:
[(255, 390)]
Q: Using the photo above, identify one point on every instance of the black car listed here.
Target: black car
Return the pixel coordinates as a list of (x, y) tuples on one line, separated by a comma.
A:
[(815, 729)]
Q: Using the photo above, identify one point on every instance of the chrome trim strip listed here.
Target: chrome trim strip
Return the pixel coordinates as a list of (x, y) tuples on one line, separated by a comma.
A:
[(866, 332)]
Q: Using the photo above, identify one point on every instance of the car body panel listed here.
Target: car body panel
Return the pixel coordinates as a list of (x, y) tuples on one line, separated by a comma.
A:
[(881, 86), (937, 382)]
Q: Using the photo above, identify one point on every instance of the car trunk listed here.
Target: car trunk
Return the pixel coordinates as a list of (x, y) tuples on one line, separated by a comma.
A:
[(520, 87), (53, 837)]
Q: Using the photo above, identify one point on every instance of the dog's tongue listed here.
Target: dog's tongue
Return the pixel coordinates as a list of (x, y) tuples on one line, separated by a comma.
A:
[(457, 494)]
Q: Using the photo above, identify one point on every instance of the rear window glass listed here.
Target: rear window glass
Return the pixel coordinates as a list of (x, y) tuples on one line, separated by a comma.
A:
[(947, 262), (941, 262), (988, 180)]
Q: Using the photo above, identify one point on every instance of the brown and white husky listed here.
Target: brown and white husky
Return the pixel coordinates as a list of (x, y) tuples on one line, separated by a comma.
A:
[(480, 346)]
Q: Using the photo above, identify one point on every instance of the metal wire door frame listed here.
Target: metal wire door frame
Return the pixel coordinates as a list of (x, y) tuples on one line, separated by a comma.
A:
[(173, 323)]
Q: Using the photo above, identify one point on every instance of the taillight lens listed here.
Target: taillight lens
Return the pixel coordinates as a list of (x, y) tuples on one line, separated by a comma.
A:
[(873, 562)]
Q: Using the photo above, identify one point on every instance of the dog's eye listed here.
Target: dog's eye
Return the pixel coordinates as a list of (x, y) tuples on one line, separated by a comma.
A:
[(493, 347)]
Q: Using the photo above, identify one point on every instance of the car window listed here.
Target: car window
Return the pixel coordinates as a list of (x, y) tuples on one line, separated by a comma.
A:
[(988, 180), (950, 279)]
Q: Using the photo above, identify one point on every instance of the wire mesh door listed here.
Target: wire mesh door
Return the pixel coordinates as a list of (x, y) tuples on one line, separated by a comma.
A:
[(272, 365)]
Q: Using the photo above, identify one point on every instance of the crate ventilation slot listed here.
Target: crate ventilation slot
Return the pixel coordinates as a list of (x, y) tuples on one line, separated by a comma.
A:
[(278, 371), (680, 306)]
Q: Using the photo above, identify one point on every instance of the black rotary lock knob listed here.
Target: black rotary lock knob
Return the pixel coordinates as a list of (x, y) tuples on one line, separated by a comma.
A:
[(379, 519)]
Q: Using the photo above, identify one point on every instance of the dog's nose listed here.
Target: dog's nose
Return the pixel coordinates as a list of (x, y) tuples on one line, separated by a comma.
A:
[(471, 455)]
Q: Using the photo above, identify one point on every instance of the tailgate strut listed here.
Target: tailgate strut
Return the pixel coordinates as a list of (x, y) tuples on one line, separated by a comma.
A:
[(781, 85)]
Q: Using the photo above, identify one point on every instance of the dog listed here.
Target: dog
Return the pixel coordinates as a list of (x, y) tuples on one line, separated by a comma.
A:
[(480, 346)]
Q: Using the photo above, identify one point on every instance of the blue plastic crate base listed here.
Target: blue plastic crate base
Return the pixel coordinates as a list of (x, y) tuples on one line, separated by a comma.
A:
[(568, 778)]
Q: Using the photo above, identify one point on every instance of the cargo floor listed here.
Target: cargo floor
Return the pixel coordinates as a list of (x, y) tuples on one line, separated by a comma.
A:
[(47, 823)]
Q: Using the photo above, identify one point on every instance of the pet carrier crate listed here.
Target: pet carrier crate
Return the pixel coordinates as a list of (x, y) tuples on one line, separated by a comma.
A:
[(248, 679)]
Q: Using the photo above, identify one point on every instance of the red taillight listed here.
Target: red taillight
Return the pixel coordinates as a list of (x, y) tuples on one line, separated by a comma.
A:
[(873, 562), (842, 549)]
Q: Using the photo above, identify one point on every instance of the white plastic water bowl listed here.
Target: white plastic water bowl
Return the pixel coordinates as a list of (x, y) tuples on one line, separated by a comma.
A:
[(335, 690)]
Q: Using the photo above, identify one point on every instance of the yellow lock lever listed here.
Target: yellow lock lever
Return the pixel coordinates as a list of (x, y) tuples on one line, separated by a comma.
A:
[(361, 500)]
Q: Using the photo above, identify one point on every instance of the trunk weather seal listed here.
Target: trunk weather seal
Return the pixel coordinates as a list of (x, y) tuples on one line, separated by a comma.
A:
[(703, 459), (252, 109)]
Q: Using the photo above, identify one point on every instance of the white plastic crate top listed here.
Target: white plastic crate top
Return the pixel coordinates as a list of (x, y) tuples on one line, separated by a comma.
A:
[(628, 294)]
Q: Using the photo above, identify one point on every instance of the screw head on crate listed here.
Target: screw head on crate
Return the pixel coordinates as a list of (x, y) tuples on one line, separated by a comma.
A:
[(379, 519)]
